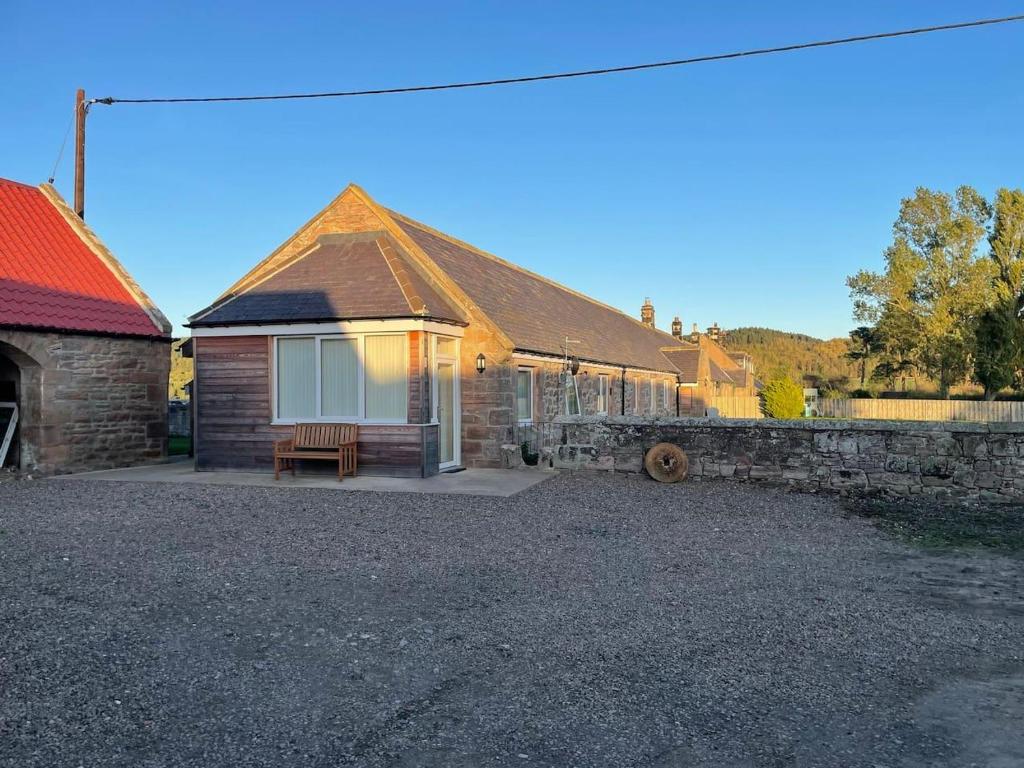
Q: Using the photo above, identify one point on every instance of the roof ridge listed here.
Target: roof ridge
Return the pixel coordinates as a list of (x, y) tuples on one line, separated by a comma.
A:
[(469, 246), (394, 262)]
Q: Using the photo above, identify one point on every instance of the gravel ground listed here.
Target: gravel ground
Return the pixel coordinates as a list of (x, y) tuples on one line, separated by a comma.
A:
[(590, 621)]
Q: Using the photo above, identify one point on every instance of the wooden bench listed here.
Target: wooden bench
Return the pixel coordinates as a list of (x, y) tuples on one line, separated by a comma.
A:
[(323, 442)]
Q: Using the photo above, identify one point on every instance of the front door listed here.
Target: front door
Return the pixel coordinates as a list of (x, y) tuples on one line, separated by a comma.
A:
[(447, 413)]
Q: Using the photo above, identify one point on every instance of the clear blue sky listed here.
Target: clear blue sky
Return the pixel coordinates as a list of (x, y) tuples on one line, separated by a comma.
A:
[(740, 192)]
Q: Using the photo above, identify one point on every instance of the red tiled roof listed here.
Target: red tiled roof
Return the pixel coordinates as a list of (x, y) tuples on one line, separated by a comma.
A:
[(51, 278)]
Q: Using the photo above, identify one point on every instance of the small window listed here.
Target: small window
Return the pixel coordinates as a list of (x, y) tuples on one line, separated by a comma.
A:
[(524, 395), (572, 396), (387, 385), (602, 393), (636, 396), (652, 404), (664, 394)]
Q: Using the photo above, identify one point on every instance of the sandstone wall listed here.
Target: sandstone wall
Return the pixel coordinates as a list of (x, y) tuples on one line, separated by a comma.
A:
[(89, 402), (948, 459)]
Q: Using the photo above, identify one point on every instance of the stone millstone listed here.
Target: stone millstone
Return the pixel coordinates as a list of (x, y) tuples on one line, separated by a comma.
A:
[(666, 463)]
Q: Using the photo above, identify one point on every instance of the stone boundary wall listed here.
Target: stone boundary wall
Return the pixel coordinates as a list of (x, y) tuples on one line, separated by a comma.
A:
[(945, 459)]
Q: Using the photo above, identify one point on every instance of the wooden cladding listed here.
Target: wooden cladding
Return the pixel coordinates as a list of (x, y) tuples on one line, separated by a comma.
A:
[(233, 413)]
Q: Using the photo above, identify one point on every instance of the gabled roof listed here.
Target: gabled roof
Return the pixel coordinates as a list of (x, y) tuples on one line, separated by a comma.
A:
[(535, 313), (718, 373), (687, 361), (525, 310), (348, 276), (56, 274)]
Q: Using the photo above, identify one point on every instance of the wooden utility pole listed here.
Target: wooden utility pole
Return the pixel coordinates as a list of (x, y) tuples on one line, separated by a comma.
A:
[(80, 110)]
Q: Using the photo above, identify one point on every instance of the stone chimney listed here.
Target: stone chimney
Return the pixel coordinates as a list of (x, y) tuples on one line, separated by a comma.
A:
[(677, 327), (714, 332), (695, 334), (647, 313)]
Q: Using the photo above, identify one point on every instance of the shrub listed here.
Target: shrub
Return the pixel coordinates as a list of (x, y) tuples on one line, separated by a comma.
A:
[(862, 393), (782, 399)]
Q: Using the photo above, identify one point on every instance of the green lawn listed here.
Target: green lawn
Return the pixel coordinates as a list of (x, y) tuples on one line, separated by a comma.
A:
[(178, 446)]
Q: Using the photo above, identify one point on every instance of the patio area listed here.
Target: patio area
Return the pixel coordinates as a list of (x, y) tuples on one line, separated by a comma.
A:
[(473, 482)]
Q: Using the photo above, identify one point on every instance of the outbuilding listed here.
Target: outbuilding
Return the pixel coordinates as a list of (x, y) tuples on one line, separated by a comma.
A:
[(84, 353)]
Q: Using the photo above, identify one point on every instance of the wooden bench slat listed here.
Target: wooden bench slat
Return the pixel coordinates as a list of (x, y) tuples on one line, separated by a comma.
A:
[(324, 441)]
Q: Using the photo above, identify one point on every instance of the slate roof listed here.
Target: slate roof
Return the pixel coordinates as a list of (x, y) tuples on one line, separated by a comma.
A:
[(342, 277), (718, 373), (536, 313), (51, 277), (687, 361)]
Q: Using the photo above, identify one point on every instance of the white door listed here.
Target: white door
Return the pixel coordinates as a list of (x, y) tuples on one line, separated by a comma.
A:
[(446, 402)]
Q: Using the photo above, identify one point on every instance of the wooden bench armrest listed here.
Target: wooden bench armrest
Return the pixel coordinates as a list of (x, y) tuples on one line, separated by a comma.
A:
[(281, 446)]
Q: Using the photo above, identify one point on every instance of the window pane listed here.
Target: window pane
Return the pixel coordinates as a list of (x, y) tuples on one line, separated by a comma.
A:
[(524, 395), (296, 382), (602, 393), (339, 378), (446, 346), (387, 390), (572, 398)]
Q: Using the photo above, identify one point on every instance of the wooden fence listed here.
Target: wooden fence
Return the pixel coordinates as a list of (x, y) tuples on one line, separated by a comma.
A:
[(732, 407), (922, 410)]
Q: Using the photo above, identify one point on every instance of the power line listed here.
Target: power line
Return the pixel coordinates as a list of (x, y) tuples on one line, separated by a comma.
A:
[(566, 75), (63, 144)]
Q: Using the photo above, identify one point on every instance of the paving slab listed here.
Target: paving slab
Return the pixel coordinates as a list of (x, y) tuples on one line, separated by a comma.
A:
[(472, 482)]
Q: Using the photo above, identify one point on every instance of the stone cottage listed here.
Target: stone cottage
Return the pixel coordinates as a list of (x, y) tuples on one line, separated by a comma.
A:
[(441, 352), (83, 351)]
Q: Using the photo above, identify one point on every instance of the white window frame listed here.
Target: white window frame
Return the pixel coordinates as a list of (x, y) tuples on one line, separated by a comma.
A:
[(636, 395), (653, 404), (664, 394), (604, 392), (360, 418), (531, 370), (565, 395)]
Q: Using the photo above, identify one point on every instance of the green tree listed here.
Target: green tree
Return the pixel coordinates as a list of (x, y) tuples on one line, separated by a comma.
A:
[(865, 343), (999, 336), (934, 285), (782, 399), (998, 352)]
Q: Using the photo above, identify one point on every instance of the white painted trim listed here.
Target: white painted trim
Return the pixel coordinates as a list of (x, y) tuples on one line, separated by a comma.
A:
[(9, 433), (333, 328), (605, 397), (533, 393), (454, 361)]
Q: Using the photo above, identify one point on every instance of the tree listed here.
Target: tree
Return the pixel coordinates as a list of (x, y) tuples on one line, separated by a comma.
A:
[(865, 342), (998, 350), (782, 399), (934, 285), (999, 336)]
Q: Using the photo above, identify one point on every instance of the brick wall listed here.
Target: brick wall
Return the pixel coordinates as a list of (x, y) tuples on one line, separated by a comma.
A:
[(89, 402), (946, 459)]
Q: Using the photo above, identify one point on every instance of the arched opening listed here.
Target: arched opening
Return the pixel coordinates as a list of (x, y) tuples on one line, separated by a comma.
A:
[(20, 379)]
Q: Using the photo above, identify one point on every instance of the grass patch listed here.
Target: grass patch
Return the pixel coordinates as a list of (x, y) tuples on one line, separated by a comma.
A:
[(942, 525), (178, 446)]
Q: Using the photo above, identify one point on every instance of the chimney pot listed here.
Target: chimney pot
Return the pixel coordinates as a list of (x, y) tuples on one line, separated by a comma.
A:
[(647, 313)]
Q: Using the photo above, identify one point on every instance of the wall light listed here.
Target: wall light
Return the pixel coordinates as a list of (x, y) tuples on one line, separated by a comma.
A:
[(481, 363)]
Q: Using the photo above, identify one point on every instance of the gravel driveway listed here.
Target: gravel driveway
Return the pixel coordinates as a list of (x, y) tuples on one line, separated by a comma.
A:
[(590, 621)]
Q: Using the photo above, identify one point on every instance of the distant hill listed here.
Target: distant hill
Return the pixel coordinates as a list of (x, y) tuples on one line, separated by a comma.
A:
[(794, 355)]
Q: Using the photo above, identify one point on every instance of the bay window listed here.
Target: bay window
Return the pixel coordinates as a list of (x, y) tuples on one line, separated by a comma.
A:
[(353, 378)]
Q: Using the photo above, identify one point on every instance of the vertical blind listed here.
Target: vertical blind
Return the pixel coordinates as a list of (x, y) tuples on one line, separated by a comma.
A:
[(387, 387), (339, 377), (296, 387), (384, 369)]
